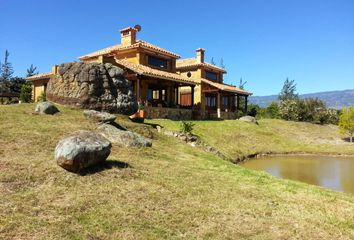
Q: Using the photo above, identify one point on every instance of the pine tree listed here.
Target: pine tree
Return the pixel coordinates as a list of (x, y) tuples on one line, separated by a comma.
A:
[(6, 69), (288, 91), (242, 84), (31, 71), (212, 61), (222, 65)]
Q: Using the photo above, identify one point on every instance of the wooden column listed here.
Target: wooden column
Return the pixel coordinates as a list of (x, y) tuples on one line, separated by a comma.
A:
[(238, 102), (246, 99), (218, 104), (192, 96), (160, 93), (138, 97), (177, 95)]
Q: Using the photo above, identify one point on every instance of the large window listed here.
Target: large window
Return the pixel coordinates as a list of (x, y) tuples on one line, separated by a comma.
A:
[(211, 75), (210, 101), (157, 62), (225, 101)]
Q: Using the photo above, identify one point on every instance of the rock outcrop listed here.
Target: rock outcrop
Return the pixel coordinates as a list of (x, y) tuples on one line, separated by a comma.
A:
[(99, 117), (123, 138), (81, 150), (46, 108), (94, 86), (249, 119)]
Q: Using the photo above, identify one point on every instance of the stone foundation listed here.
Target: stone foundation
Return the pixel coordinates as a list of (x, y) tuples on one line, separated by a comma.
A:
[(169, 113)]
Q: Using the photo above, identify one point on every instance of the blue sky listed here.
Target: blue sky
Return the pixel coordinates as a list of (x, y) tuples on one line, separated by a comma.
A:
[(311, 41)]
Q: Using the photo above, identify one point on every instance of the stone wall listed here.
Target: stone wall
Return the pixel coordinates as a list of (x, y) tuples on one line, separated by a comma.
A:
[(169, 113), (95, 86)]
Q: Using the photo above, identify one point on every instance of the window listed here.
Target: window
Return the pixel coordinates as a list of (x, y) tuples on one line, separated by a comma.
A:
[(157, 62), (154, 94), (210, 101), (225, 101), (211, 75)]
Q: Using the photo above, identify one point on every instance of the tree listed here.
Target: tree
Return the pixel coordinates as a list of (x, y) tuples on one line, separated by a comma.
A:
[(26, 92), (242, 84), (222, 64), (346, 122), (212, 61), (289, 91), (6, 69), (272, 110), (31, 71)]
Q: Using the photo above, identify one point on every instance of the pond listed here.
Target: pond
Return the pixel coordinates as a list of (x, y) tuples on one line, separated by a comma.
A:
[(336, 173)]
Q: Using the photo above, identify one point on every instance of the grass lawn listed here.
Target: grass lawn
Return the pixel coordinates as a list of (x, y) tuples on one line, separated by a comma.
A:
[(237, 139), (169, 191)]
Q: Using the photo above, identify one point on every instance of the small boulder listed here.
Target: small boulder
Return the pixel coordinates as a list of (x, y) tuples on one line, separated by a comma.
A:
[(123, 138), (46, 108), (249, 119), (81, 150), (100, 117)]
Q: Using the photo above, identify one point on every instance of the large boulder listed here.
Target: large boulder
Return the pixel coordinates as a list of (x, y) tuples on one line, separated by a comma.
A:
[(46, 108), (98, 86), (81, 150), (249, 119), (100, 117), (123, 138)]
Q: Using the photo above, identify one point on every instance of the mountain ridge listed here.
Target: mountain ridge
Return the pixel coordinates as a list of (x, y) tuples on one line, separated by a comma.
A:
[(334, 99)]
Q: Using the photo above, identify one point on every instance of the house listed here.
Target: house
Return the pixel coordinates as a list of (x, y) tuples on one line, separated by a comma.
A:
[(214, 98), (166, 86)]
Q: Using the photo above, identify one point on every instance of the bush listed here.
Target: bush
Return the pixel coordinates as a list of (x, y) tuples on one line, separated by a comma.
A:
[(26, 92), (289, 110), (239, 113), (346, 122), (42, 97), (253, 109), (272, 111), (186, 127), (307, 110)]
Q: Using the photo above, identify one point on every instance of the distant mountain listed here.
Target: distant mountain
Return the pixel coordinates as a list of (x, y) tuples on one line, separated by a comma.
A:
[(333, 99)]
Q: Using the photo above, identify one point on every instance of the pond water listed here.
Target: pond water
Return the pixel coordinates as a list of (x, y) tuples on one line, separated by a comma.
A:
[(336, 173)]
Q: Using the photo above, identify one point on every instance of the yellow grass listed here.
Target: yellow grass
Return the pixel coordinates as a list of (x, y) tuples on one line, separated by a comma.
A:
[(169, 191)]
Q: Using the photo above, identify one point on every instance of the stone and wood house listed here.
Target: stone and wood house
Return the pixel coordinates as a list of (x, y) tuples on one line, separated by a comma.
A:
[(165, 85)]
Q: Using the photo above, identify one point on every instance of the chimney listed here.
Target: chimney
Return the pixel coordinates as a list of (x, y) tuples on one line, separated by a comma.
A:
[(200, 55), (128, 36), (55, 69)]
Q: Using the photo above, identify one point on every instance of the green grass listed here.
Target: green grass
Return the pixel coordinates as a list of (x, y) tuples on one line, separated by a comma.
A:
[(237, 139), (169, 191)]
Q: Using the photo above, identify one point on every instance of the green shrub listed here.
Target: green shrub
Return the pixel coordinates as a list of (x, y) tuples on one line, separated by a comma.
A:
[(26, 92), (346, 122), (253, 110), (186, 127), (273, 110), (308, 110), (42, 97), (239, 113), (289, 110)]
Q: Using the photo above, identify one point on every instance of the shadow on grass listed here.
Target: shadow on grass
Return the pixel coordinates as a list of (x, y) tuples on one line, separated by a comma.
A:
[(118, 126), (347, 139), (154, 125), (108, 164)]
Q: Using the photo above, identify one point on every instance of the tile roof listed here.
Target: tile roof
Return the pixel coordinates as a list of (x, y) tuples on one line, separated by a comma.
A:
[(226, 87), (39, 76), (151, 72), (192, 62), (139, 43)]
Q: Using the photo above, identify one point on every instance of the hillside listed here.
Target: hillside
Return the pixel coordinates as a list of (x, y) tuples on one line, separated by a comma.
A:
[(333, 99), (169, 191)]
